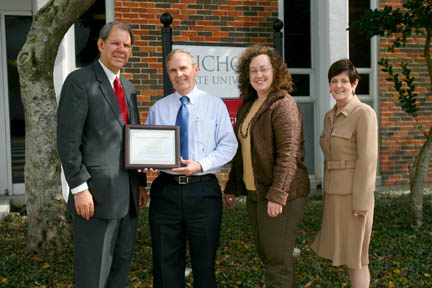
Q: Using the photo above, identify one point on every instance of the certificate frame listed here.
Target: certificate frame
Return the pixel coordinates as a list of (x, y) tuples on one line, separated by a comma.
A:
[(152, 146)]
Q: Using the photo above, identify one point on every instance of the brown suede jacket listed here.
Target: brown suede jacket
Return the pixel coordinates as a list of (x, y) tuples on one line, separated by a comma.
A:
[(277, 148)]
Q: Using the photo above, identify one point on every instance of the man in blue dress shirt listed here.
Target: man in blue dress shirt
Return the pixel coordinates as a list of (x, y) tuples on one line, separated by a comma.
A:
[(186, 204)]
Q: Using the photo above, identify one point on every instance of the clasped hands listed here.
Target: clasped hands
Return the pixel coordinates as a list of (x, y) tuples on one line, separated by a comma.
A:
[(191, 168)]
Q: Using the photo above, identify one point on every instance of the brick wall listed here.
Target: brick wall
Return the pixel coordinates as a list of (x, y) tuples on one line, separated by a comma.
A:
[(221, 21), (400, 140), (242, 22)]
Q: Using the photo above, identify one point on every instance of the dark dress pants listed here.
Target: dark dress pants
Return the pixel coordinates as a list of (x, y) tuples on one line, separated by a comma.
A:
[(103, 250), (180, 214), (275, 238)]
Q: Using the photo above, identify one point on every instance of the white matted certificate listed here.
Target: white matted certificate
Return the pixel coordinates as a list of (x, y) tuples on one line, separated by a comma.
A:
[(152, 147)]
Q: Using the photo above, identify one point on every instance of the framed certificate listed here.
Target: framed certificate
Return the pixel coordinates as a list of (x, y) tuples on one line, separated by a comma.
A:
[(152, 147)]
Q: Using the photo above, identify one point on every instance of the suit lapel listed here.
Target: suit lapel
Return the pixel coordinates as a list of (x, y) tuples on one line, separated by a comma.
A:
[(108, 92)]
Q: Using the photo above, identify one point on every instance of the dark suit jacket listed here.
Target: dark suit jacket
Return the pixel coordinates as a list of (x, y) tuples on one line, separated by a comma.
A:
[(90, 140)]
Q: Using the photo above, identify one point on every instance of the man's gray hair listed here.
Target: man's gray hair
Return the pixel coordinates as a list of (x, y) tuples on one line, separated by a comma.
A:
[(177, 51), (106, 30)]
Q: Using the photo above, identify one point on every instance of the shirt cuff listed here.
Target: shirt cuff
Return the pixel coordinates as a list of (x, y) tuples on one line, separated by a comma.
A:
[(205, 165), (277, 195), (79, 188)]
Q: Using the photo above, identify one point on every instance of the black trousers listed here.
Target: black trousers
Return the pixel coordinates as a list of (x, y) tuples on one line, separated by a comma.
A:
[(103, 251), (180, 214)]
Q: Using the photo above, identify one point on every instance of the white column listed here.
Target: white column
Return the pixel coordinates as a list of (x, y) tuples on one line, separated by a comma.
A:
[(37, 4), (64, 64), (65, 60), (332, 44), (281, 17), (5, 167), (109, 10)]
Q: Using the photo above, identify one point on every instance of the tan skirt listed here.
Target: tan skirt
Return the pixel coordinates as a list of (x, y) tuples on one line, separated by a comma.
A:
[(344, 238)]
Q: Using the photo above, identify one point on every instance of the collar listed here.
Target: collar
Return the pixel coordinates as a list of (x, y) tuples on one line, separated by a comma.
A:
[(352, 104), (193, 95), (111, 76)]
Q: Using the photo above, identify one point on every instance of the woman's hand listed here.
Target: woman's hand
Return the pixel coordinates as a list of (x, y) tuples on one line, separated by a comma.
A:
[(274, 209), (359, 212), (229, 200)]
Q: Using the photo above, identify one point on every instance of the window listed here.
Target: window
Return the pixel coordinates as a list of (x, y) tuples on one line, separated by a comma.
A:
[(297, 34), (17, 27), (359, 47), (297, 44), (87, 29), (362, 54)]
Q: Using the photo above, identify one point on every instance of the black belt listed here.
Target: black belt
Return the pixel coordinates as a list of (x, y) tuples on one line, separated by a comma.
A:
[(183, 179)]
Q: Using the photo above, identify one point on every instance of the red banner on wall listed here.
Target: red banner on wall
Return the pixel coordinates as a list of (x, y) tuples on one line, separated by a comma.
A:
[(233, 105)]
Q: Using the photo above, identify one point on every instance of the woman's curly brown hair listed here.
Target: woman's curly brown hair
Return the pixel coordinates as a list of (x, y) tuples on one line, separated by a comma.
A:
[(281, 77)]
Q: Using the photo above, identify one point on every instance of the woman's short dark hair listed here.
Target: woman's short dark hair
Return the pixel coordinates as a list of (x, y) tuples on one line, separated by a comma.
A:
[(281, 77), (106, 30), (343, 65)]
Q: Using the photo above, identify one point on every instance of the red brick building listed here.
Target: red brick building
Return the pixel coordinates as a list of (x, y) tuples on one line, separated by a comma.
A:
[(400, 138), (247, 22), (314, 36)]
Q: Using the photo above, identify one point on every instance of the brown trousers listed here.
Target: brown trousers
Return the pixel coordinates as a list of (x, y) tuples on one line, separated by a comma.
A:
[(275, 238)]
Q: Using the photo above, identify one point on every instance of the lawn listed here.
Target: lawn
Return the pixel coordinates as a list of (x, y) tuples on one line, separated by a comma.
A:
[(400, 255)]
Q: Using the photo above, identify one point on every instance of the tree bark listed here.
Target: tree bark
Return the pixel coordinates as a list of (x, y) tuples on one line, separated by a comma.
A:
[(418, 176), (419, 170), (48, 230)]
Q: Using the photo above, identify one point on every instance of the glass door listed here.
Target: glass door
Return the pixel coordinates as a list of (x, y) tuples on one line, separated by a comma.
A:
[(15, 31)]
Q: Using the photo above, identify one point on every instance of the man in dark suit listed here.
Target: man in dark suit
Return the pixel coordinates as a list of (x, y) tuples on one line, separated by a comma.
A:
[(104, 197)]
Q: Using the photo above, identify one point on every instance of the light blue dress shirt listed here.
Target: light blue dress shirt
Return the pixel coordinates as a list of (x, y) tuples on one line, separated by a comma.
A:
[(212, 142)]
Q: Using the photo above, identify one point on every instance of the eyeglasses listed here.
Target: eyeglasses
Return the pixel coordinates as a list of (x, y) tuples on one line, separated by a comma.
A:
[(262, 71)]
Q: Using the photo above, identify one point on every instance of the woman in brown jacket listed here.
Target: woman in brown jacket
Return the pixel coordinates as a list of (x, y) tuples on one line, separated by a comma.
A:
[(349, 142), (268, 166)]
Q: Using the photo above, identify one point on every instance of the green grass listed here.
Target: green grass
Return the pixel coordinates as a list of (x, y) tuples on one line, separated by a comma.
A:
[(400, 255)]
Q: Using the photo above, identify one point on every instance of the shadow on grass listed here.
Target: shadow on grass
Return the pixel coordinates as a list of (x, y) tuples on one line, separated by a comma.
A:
[(400, 255)]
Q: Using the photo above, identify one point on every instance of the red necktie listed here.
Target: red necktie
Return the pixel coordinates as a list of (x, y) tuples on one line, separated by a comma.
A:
[(118, 90)]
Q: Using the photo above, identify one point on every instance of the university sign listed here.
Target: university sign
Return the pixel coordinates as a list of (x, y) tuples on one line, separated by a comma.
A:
[(217, 68), (217, 72)]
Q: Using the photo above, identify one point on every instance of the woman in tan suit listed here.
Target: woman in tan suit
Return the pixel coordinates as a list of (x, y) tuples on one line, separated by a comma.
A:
[(349, 142), (268, 166)]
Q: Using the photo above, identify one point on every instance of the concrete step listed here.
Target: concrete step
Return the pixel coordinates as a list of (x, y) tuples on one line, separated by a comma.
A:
[(4, 207)]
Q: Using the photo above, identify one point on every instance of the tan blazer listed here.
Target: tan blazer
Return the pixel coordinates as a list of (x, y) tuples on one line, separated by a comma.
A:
[(349, 142)]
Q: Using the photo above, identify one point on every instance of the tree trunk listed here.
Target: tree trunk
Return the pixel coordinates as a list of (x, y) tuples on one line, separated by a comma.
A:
[(419, 170), (418, 176), (48, 230)]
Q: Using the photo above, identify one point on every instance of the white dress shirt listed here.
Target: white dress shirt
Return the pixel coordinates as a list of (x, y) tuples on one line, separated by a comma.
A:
[(211, 139)]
